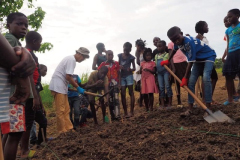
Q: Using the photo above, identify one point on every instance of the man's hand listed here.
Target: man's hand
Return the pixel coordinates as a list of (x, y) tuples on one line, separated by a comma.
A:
[(22, 91), (184, 82), (26, 65), (166, 62)]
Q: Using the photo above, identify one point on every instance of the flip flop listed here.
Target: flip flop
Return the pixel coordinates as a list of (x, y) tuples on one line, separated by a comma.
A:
[(30, 155)]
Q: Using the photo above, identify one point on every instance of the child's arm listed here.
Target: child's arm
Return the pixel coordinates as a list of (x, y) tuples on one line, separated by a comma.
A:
[(187, 74), (94, 63), (141, 70), (74, 84), (36, 102), (224, 55), (138, 57), (133, 64), (18, 58), (106, 90)]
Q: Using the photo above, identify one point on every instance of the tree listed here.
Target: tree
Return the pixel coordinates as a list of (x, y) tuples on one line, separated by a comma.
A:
[(35, 19), (218, 63)]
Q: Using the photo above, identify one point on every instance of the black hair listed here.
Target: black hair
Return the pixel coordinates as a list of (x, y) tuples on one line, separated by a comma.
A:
[(104, 68), (127, 44), (199, 26), (42, 66), (141, 43), (12, 16), (235, 11), (173, 31), (32, 35), (147, 50), (99, 45), (165, 44), (157, 38)]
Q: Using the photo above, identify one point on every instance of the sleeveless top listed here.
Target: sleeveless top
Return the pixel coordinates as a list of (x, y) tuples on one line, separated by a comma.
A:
[(100, 59)]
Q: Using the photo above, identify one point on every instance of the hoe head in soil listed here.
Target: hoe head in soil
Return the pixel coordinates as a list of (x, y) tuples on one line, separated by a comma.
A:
[(217, 116)]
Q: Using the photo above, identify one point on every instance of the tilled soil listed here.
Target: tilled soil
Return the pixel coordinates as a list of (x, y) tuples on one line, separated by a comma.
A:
[(155, 135)]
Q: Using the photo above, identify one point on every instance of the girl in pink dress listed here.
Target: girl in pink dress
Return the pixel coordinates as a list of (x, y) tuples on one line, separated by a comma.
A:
[(148, 69)]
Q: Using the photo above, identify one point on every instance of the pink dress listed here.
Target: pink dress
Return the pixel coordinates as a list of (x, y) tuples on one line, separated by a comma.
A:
[(148, 79)]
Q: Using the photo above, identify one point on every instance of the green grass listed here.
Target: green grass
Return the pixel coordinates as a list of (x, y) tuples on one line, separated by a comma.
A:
[(219, 70), (47, 98)]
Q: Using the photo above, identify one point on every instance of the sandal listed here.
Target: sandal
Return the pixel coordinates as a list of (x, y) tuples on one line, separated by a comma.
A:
[(186, 113), (30, 155)]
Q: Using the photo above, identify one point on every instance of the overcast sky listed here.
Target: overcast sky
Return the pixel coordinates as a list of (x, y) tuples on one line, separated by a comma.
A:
[(71, 24)]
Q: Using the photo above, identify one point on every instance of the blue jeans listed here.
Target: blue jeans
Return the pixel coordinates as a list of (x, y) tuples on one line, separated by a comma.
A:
[(33, 133), (74, 103), (163, 81), (127, 81), (197, 69)]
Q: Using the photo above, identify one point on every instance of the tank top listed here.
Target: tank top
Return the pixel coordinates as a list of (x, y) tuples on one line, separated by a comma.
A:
[(100, 59)]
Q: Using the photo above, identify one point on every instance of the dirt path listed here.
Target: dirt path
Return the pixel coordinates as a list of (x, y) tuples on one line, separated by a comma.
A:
[(156, 135)]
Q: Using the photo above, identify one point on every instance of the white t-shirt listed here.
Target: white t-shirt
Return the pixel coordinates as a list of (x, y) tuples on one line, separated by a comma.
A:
[(59, 82)]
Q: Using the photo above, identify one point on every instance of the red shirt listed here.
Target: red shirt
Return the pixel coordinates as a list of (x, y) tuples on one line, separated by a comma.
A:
[(36, 74), (113, 69)]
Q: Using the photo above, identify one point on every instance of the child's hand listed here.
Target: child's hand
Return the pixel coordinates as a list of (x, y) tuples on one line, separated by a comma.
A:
[(26, 65), (99, 82), (121, 67), (223, 60), (36, 104), (129, 69), (147, 70), (22, 91), (166, 62), (184, 82)]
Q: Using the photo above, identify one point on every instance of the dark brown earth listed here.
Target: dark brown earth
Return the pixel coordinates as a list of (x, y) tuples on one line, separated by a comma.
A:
[(155, 135)]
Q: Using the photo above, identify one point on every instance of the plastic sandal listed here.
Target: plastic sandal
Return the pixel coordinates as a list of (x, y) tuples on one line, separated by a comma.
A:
[(226, 103)]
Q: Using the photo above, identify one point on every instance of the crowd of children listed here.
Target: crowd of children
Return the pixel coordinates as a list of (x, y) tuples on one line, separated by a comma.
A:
[(20, 75)]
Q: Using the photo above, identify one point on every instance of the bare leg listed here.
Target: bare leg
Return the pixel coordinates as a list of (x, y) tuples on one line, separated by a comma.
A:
[(230, 88), (151, 99), (103, 109), (10, 149), (131, 94), (146, 102), (123, 98), (93, 111)]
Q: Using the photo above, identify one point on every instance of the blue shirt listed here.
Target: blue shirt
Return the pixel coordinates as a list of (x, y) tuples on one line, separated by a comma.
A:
[(196, 50), (77, 80), (234, 38)]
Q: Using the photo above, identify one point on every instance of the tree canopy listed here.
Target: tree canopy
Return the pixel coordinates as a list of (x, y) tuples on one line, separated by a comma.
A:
[(35, 19)]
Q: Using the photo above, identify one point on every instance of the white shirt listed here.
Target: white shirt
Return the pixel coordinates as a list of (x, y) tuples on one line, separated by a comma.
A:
[(59, 82)]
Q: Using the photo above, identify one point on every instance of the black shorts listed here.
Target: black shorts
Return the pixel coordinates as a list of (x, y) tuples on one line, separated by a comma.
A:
[(231, 66), (29, 114), (180, 69)]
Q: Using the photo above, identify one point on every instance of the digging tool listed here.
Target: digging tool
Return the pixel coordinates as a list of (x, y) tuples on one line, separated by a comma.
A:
[(88, 93), (217, 116)]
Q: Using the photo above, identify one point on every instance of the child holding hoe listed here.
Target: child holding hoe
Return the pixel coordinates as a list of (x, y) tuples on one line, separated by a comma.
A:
[(59, 87), (114, 84), (200, 58)]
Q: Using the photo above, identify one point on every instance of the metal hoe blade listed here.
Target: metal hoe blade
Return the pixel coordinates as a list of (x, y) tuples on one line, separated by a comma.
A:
[(218, 116)]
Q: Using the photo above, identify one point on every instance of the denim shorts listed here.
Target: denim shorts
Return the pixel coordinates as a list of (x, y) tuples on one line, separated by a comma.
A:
[(127, 81)]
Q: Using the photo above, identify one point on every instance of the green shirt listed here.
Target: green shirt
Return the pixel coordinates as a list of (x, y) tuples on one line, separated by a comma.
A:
[(13, 41), (163, 56)]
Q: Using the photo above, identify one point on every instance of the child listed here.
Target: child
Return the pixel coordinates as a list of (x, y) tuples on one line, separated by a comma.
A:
[(201, 28), (59, 87), (200, 56), (140, 48), (84, 112), (114, 84), (8, 59), (163, 75), (231, 65), (126, 60), (74, 101), (148, 69), (179, 67), (97, 82), (17, 25), (99, 57), (33, 137), (155, 51)]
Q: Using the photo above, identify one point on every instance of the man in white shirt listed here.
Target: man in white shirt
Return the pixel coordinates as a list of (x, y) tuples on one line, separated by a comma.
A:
[(59, 87)]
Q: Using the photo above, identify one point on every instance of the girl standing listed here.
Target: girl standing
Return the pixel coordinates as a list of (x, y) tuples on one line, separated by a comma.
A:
[(231, 66), (163, 75), (148, 69)]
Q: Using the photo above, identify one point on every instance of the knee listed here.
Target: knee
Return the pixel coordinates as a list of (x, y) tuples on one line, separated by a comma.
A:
[(131, 93), (206, 78)]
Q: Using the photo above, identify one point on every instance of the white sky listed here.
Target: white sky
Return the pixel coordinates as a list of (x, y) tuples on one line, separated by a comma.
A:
[(70, 24)]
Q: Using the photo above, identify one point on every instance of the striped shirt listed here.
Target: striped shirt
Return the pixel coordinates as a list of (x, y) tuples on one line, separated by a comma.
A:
[(4, 95)]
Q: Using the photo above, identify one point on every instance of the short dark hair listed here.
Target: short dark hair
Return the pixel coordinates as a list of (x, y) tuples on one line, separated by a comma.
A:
[(235, 11), (99, 45), (173, 31), (140, 43), (104, 68), (32, 35), (147, 50), (42, 66), (127, 44), (199, 26), (165, 44), (12, 16)]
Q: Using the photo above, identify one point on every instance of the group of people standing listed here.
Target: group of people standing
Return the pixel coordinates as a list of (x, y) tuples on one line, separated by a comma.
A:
[(189, 57)]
